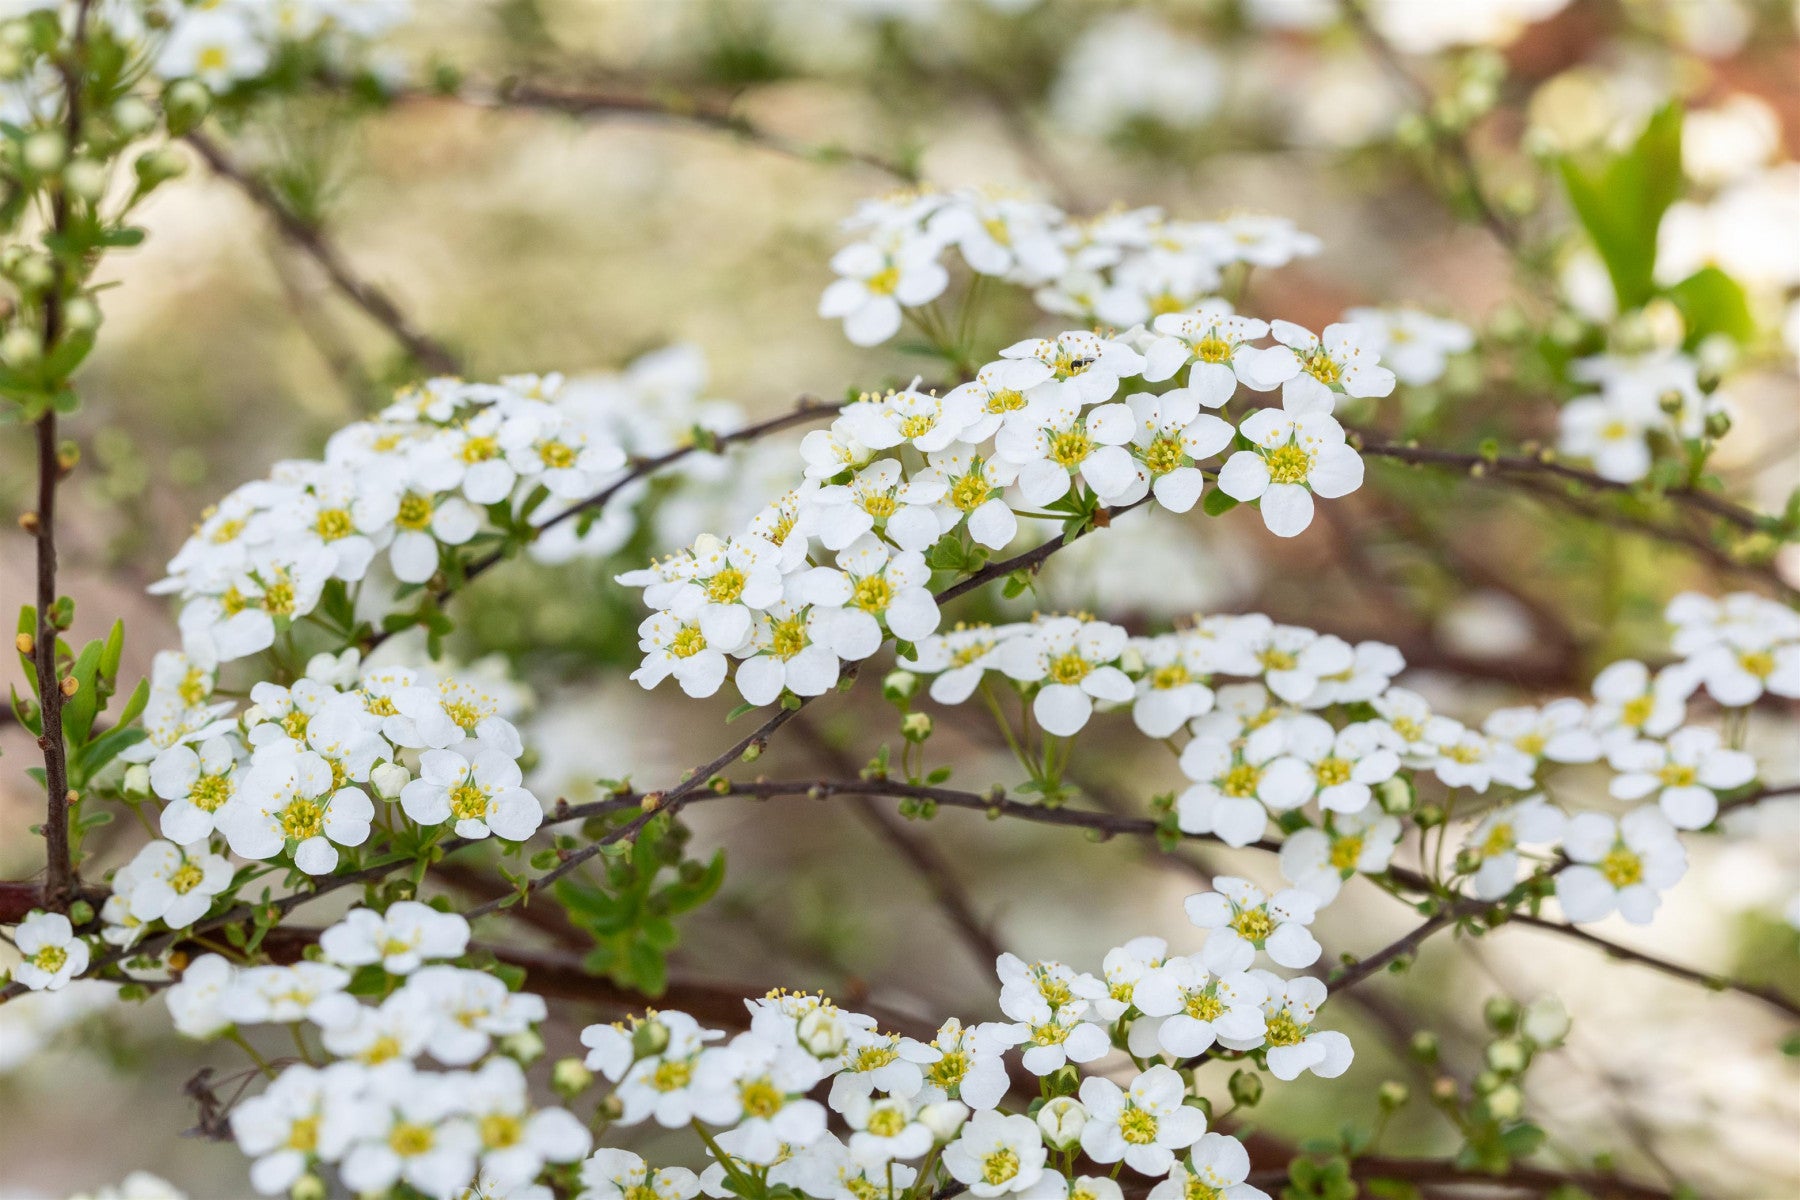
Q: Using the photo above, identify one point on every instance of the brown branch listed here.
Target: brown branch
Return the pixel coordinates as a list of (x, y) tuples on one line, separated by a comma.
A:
[(1518, 1177), (431, 354)]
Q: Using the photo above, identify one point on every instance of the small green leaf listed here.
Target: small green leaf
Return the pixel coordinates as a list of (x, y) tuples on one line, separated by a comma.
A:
[(1217, 503)]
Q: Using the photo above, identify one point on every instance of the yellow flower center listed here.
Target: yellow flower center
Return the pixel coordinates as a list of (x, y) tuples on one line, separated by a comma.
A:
[(1203, 1006), (760, 1098), (872, 594), (468, 802), (233, 601), (1167, 678), (1055, 992), (1283, 1030), (726, 586), (1463, 753), (883, 283), (1345, 851), (1194, 1189), (414, 512), (917, 425), (186, 879), (194, 686), (886, 1122), (1163, 455), (1137, 1126), (1000, 1166), (641, 1191), (1165, 302), (1289, 464), (294, 724), (385, 1048), (1677, 775), (226, 531), (50, 959), (303, 1135), (671, 1076), (1253, 925), (1241, 781), (996, 229), (971, 491), (333, 523), (787, 638), (1069, 450), (1005, 400), (278, 599), (1069, 668), (1052, 1034), (210, 792), (556, 456), (949, 1070), (1213, 349), (1759, 663), (1277, 660), (1067, 366), (688, 642), (409, 1140), (1332, 771), (302, 819), (500, 1130), (1530, 743), (879, 505), (1321, 367), (479, 449), (1622, 868), (1635, 711), (871, 1058), (1407, 728)]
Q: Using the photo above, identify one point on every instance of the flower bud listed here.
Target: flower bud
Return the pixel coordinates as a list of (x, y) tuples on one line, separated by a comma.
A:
[(136, 784), (85, 178), (1246, 1088), (21, 347), (1718, 424), (570, 1077), (1395, 796), (1392, 1095), (1501, 1013), (45, 151), (1508, 1056), (944, 1118), (308, 1187), (1062, 1119), (1546, 1022), (1425, 1046), (132, 116), (650, 1037), (158, 166), (1444, 1090), (821, 1034), (81, 315), (915, 727), (186, 104), (526, 1045), (35, 272), (388, 779), (1506, 1102), (80, 913), (897, 686)]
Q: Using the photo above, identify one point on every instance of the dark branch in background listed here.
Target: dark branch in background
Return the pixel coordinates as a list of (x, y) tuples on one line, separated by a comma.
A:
[(431, 354), (1430, 1173)]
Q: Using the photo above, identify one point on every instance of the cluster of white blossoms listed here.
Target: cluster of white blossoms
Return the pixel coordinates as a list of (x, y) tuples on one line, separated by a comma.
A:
[(1645, 402), (1120, 269)]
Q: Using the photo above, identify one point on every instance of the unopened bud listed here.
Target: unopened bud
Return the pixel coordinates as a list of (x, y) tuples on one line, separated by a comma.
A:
[(1425, 1046), (136, 784), (1393, 1094), (1395, 795), (525, 1045), (24, 643), (1546, 1021), (45, 151), (308, 1187), (1506, 1102), (944, 1118), (85, 178), (1501, 1013), (21, 347), (915, 727), (1062, 1119), (1718, 424), (70, 686), (1246, 1088), (132, 116), (570, 1077), (158, 166), (897, 686), (1429, 815), (81, 315), (1444, 1090), (80, 913), (821, 1034), (185, 104), (1671, 401), (389, 778), (1508, 1057), (650, 1037), (751, 753)]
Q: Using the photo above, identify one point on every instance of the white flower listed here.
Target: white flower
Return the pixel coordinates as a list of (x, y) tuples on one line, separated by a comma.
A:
[(728, 583), (1293, 1045), (1074, 659), (194, 999), (1170, 435), (196, 784), (1469, 759), (1061, 1119), (958, 659), (873, 1060), (1213, 338), (398, 1028), (1054, 1037), (1300, 453), (660, 1082), (971, 1066), (1310, 366), (423, 522), (1496, 839), (673, 644), (1144, 1126), (924, 421), (1236, 786), (1240, 912), (878, 495), (1684, 773), (999, 1155), (305, 1114), (1345, 764), (875, 281), (1216, 1169), (1053, 439), (790, 649), (828, 452), (1415, 345), (516, 1142), (304, 990), (1611, 433), (621, 1175), (1319, 860), (762, 1084), (52, 954), (874, 584), (1003, 235), (974, 488), (1087, 365), (290, 799), (556, 453), (1737, 672), (998, 389), (482, 795), (1187, 1007), (1170, 687), (1373, 666), (217, 47), (1109, 998), (400, 939), (888, 1128), (1622, 865), (174, 886), (471, 1008), (411, 1131), (1628, 697), (1558, 732)]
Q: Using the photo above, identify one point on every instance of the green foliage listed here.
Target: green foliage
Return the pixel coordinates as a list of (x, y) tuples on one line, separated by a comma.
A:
[(1621, 198), (631, 915), (1711, 302)]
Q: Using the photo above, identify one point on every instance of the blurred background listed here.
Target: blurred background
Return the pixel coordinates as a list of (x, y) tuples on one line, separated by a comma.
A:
[(525, 239)]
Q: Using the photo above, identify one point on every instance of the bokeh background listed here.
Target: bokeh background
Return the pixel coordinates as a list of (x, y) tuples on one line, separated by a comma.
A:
[(529, 240)]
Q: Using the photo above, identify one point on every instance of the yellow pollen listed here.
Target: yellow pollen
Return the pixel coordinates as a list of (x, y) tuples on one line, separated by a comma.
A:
[(1174, 675), (414, 512), (50, 959), (1759, 663), (872, 594), (500, 1130), (385, 1048), (1005, 400), (1069, 668), (1253, 925), (409, 1140), (1289, 464), (1055, 992), (688, 642), (917, 425), (295, 723), (1000, 1166), (233, 601), (1137, 1126), (1530, 743), (193, 687), (1677, 775), (468, 802), (886, 1122), (213, 58), (1622, 868), (996, 229), (382, 706), (1463, 753), (302, 819), (1067, 366), (1345, 851), (1069, 450), (333, 523), (726, 586), (1050, 1035), (1321, 367), (186, 879), (479, 449), (971, 491), (671, 1076), (1213, 349), (948, 1071), (1332, 771), (466, 714), (303, 1135), (557, 456), (1203, 1006), (1195, 1189), (1635, 711), (1499, 840), (226, 531), (787, 638), (883, 283), (1241, 781), (1277, 660), (278, 598), (1283, 1030), (871, 1058), (641, 1191), (880, 505), (1407, 728), (1166, 302), (760, 1099), (1163, 455), (210, 792)]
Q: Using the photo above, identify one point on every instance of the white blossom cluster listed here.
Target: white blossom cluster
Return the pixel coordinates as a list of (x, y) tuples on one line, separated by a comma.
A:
[(1642, 399), (1120, 269)]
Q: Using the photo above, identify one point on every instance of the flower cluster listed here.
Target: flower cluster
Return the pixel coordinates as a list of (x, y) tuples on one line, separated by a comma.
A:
[(1644, 401), (1122, 269)]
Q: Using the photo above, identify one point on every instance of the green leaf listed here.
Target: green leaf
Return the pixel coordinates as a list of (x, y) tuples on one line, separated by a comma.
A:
[(1712, 302), (1621, 199), (114, 650), (690, 896), (78, 711), (108, 746), (1521, 1141), (134, 704), (1217, 503)]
